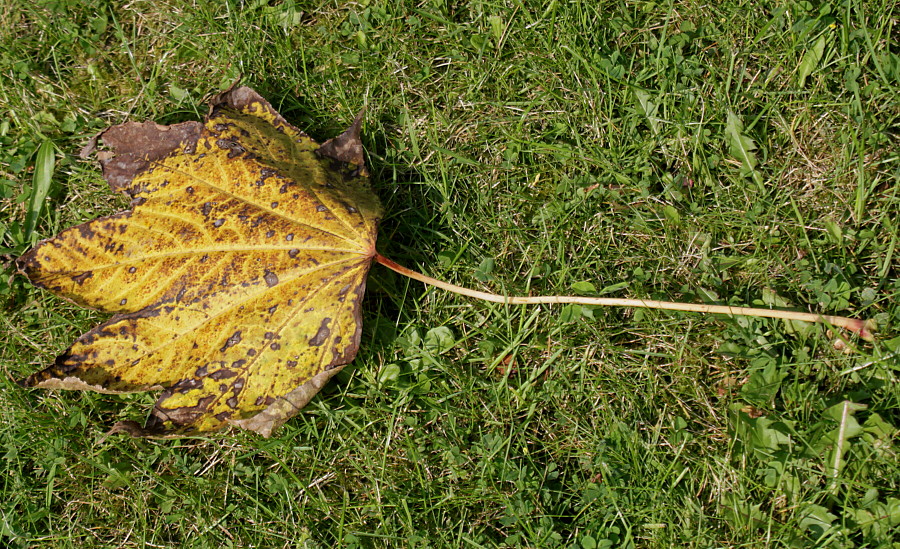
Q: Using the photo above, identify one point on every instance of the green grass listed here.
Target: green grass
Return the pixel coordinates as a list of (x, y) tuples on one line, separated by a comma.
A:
[(738, 152)]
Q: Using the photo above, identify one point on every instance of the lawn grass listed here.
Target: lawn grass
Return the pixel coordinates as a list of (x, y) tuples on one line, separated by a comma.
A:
[(734, 152)]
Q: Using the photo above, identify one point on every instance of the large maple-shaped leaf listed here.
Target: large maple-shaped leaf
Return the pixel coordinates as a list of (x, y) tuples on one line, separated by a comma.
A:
[(236, 278)]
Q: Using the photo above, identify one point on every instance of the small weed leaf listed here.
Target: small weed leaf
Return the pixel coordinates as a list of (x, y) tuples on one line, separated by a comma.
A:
[(765, 381), (815, 519), (811, 60), (483, 273), (741, 147), (584, 287), (439, 340)]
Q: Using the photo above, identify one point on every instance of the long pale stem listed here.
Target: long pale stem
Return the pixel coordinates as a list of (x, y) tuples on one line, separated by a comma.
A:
[(860, 327)]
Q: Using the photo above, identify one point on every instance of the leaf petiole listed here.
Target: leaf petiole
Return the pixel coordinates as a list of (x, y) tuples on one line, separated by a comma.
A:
[(860, 327)]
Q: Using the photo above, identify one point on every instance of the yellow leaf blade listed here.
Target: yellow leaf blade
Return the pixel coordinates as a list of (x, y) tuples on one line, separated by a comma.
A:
[(237, 276)]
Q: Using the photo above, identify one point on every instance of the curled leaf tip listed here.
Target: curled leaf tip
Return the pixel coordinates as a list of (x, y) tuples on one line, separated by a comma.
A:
[(347, 147)]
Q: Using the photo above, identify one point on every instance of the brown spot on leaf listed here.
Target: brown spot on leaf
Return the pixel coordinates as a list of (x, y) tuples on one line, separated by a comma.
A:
[(185, 414), (322, 334), (234, 149), (232, 341), (260, 401), (264, 174), (187, 385), (222, 373), (79, 279), (270, 278)]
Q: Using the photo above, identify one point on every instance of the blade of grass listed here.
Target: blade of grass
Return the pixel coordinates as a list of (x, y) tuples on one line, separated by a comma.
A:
[(44, 164)]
